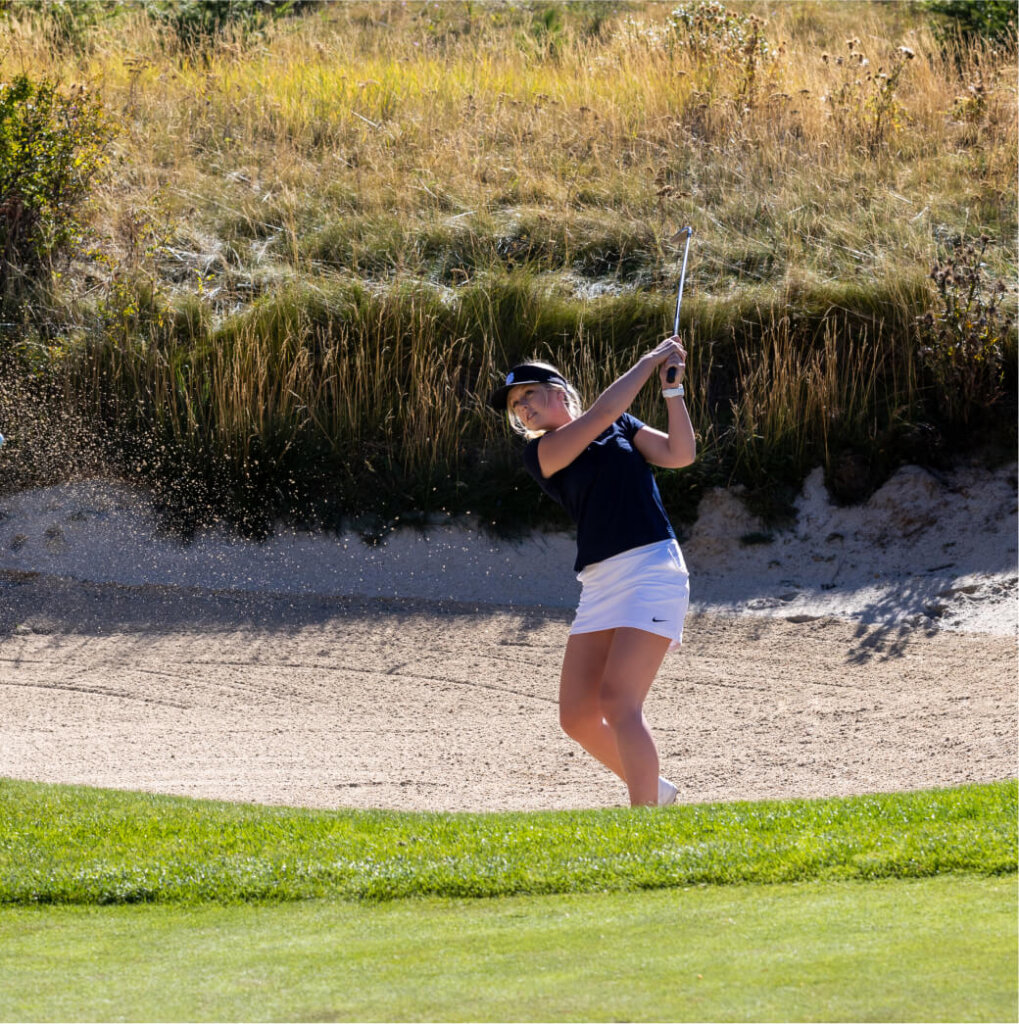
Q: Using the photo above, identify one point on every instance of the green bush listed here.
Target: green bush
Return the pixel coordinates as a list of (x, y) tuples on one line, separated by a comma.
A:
[(994, 20), (965, 337), (53, 148), (198, 25)]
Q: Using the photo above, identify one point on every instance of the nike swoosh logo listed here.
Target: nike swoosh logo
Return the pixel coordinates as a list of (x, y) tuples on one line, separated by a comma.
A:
[(658, 620)]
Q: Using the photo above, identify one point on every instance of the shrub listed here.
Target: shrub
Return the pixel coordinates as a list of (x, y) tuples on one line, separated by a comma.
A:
[(861, 101), (994, 20), (964, 337), (53, 148), (719, 37), (198, 25)]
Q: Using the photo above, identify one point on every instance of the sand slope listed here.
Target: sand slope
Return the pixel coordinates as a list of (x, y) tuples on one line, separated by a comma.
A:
[(925, 550), (867, 649)]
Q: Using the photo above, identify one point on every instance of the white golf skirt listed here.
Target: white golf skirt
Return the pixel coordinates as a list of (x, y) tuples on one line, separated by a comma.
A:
[(644, 588)]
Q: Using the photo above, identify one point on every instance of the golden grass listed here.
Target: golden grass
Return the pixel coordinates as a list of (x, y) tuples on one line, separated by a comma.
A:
[(336, 113), (361, 139)]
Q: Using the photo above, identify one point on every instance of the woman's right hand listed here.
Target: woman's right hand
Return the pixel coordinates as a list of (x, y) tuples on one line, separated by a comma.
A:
[(670, 353)]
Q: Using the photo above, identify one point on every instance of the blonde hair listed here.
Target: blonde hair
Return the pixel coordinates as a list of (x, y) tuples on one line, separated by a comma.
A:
[(572, 400)]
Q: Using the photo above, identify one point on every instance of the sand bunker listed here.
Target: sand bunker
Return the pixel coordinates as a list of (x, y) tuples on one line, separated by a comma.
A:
[(870, 649)]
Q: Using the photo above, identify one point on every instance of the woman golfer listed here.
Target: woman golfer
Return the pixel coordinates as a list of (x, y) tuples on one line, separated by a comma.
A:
[(635, 587)]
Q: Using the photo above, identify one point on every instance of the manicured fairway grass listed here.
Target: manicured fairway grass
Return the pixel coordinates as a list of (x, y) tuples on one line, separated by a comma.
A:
[(71, 845), (920, 949), (884, 907)]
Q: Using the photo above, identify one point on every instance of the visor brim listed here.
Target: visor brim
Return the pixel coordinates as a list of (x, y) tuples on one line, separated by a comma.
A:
[(497, 400)]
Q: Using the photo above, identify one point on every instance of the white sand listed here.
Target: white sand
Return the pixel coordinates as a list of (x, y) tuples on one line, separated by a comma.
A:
[(923, 550), (315, 671)]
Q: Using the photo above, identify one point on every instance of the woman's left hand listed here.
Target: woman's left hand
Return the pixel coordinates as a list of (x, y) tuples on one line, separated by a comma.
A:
[(675, 359)]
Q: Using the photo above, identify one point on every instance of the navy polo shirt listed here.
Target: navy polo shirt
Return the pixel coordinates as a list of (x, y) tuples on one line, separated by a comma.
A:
[(609, 491)]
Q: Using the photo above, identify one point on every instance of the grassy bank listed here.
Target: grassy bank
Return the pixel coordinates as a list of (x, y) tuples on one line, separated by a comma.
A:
[(319, 243), (330, 401), (66, 845)]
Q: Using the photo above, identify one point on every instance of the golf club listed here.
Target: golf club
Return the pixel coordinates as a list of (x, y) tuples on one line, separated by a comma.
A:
[(688, 231)]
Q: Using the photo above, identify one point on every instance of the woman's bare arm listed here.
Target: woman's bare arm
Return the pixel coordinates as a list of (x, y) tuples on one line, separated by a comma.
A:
[(678, 447), (559, 447)]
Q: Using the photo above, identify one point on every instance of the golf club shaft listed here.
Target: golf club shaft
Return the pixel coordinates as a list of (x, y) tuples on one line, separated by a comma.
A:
[(671, 375)]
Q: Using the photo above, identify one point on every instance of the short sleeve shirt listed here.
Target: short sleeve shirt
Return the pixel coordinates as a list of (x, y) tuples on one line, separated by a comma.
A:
[(609, 491)]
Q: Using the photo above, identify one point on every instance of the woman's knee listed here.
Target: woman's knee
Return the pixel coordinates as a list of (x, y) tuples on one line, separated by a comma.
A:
[(576, 718), (619, 707)]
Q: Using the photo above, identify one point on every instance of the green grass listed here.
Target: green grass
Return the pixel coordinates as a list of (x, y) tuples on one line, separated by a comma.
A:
[(922, 949), (637, 915), (400, 377), (68, 845)]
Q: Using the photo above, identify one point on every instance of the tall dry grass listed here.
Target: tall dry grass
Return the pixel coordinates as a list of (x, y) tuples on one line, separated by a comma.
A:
[(507, 173), (378, 109)]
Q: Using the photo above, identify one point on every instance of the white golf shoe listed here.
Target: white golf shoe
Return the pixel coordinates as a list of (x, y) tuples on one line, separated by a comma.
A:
[(666, 792)]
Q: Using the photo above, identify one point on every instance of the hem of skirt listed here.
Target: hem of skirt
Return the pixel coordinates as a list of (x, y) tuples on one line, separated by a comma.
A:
[(668, 634)]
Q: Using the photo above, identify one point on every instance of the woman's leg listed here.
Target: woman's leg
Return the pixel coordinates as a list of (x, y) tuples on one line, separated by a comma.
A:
[(580, 685), (634, 657), (605, 678)]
